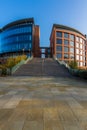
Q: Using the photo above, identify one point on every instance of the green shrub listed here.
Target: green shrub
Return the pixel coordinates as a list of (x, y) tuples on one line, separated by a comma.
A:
[(73, 64)]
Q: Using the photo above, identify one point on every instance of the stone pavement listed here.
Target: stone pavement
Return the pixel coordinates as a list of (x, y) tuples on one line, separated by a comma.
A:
[(41, 103)]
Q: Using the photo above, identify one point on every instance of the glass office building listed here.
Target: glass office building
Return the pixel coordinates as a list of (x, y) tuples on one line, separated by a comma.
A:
[(68, 44), (18, 38)]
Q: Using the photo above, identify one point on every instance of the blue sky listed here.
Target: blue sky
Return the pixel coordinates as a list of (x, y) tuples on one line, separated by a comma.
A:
[(72, 13)]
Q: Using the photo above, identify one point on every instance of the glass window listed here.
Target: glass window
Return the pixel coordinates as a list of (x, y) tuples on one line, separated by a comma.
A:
[(66, 42), (66, 35), (66, 56), (81, 52), (81, 63), (77, 57), (59, 34), (77, 44), (58, 48), (59, 55), (80, 46), (77, 39), (71, 43), (71, 56), (80, 57), (72, 50), (59, 41), (72, 37), (77, 51), (66, 49), (81, 40)]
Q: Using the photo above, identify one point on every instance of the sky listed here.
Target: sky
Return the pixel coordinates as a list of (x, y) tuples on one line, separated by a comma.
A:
[(71, 13)]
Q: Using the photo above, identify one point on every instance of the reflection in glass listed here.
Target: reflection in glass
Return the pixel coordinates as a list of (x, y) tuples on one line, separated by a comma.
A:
[(59, 41), (58, 34), (59, 55), (58, 48), (66, 42)]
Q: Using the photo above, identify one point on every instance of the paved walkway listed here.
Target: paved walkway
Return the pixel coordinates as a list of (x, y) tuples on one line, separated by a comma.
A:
[(43, 104)]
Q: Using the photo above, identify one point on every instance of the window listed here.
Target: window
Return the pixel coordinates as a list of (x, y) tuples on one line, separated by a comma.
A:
[(80, 46), (58, 34), (77, 51), (77, 57), (77, 44), (81, 52), (81, 63), (58, 48), (66, 35), (59, 41), (71, 56), (59, 55), (66, 49), (66, 56), (66, 42), (72, 37), (71, 43), (81, 40), (80, 57), (72, 50), (77, 39)]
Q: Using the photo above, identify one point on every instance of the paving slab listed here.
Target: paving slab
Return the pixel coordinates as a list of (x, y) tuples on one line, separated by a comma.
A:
[(40, 103)]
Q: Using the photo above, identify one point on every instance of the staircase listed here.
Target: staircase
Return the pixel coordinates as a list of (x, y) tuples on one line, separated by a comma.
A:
[(42, 67)]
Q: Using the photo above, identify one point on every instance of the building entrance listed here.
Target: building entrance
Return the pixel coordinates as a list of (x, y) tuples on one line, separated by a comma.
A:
[(45, 52)]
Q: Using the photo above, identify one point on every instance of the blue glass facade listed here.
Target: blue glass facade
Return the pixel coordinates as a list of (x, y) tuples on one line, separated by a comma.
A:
[(17, 37)]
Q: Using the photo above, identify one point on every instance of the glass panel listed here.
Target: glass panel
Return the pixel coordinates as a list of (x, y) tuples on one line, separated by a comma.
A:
[(58, 48), (66, 35), (80, 57), (77, 57), (72, 37), (59, 41), (59, 55), (66, 49), (81, 64), (71, 43), (72, 50), (66, 56), (77, 44), (77, 39), (77, 51), (80, 46), (81, 40), (66, 42), (71, 56), (58, 34)]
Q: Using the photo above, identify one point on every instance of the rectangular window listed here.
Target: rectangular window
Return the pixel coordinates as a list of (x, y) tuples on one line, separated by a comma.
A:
[(77, 39), (71, 43), (71, 56), (66, 42), (72, 50), (58, 34), (59, 56), (77, 57), (58, 48), (77, 44), (66, 49), (59, 41), (81, 40), (66, 35), (77, 51), (72, 37), (80, 46), (66, 56)]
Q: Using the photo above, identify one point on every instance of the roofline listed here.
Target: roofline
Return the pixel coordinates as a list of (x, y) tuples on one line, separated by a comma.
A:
[(59, 26), (31, 20)]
